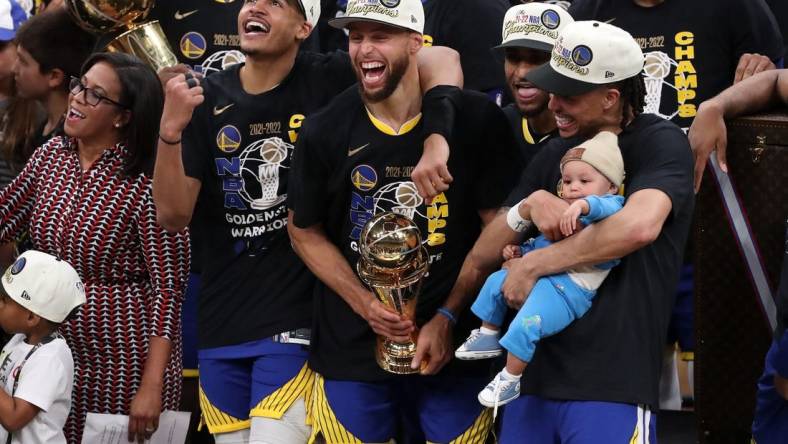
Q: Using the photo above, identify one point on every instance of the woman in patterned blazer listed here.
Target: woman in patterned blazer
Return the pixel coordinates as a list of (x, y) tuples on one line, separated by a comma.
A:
[(87, 198)]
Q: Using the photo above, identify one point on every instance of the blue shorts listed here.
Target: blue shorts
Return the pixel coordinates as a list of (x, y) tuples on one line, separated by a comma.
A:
[(430, 408), (682, 320), (189, 326), (770, 425), (546, 421), (260, 378)]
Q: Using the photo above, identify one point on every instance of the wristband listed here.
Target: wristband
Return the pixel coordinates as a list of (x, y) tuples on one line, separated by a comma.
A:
[(515, 221), (168, 142), (448, 314)]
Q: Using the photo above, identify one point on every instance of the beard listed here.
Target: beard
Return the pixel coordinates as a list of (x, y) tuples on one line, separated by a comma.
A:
[(398, 69), (533, 111)]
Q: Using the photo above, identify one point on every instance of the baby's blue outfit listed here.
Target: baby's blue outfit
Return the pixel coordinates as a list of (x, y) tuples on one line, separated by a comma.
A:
[(554, 302)]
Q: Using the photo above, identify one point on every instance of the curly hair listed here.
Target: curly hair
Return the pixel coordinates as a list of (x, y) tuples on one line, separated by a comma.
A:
[(633, 97)]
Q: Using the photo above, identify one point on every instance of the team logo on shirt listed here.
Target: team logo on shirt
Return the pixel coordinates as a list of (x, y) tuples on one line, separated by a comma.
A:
[(551, 19), (228, 139), (260, 165), (582, 55), (224, 1), (364, 177), (193, 45)]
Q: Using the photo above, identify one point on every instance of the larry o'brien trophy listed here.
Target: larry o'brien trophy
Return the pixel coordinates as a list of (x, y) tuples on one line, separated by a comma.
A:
[(144, 40), (393, 262)]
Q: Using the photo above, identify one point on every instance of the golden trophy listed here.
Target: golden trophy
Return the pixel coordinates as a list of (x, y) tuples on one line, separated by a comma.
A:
[(393, 262), (144, 40)]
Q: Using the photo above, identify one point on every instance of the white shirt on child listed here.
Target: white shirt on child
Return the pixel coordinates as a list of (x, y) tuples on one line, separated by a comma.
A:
[(46, 382)]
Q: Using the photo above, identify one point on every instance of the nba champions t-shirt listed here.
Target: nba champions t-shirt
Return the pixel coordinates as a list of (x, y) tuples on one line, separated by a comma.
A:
[(239, 146), (692, 48), (348, 167)]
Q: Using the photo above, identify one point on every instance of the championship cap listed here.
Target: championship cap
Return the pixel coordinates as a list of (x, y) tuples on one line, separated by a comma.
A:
[(45, 285), (533, 25), (602, 153), (406, 14), (11, 18), (588, 54), (311, 10)]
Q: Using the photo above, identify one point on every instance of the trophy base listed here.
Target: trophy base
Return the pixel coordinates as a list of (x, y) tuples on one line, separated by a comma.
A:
[(395, 357)]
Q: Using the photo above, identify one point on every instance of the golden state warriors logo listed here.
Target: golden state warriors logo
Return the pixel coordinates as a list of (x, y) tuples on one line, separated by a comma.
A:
[(193, 45), (228, 139), (582, 55), (551, 19), (390, 3), (364, 177)]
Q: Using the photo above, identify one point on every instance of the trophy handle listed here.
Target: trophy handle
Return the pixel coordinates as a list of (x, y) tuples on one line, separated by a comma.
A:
[(148, 42)]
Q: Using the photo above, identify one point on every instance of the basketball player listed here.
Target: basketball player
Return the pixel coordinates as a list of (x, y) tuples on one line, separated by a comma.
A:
[(529, 33), (693, 50), (597, 381), (227, 175), (353, 161)]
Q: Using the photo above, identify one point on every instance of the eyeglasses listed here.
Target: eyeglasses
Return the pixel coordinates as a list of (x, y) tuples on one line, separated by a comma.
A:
[(92, 97)]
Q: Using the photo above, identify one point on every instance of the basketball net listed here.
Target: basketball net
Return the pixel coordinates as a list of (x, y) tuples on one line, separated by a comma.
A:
[(268, 176)]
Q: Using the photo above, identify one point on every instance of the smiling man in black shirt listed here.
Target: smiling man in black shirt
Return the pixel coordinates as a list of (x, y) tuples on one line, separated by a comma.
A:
[(353, 160), (597, 381)]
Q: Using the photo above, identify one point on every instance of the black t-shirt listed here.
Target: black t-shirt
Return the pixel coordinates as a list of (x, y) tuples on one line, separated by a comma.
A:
[(613, 353), (472, 28), (528, 140), (203, 34), (780, 10), (346, 170), (239, 146), (692, 48)]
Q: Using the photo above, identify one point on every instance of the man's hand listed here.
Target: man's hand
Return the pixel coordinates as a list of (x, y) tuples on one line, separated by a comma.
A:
[(434, 346), (431, 174), (518, 283), (183, 94), (750, 64), (707, 134), (512, 251), (571, 215), (545, 211), (387, 322), (168, 72), (781, 385)]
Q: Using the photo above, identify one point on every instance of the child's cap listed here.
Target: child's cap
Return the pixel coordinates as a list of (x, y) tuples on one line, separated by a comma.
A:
[(602, 153), (12, 15), (45, 285)]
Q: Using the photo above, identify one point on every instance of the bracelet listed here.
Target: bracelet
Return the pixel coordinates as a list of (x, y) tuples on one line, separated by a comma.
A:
[(517, 222), (168, 142), (448, 314)]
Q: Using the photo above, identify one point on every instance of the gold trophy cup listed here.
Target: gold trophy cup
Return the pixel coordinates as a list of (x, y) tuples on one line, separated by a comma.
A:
[(144, 40), (393, 262)]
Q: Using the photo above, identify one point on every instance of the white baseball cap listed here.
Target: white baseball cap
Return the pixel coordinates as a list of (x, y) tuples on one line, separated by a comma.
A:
[(533, 25), (588, 54), (311, 10), (45, 285), (407, 14), (12, 15)]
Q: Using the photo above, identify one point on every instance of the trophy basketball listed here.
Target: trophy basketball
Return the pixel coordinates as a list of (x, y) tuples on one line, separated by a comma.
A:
[(143, 40), (393, 262)]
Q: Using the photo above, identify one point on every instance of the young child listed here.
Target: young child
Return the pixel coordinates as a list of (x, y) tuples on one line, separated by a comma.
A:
[(38, 293), (591, 175)]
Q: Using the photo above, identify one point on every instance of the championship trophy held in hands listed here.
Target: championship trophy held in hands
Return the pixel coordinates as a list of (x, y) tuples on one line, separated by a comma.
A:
[(393, 262)]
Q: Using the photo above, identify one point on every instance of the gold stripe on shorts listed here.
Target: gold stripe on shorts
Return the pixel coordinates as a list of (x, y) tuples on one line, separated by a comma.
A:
[(324, 421), (218, 421), (276, 404), (478, 431)]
